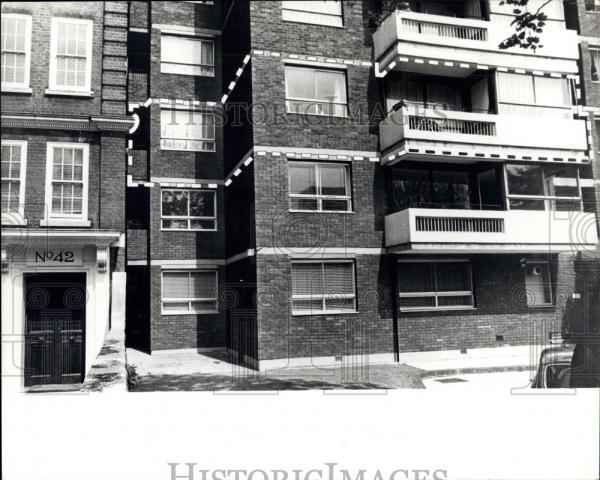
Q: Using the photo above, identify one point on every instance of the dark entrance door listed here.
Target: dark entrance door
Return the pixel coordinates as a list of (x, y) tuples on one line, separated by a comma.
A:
[(54, 328)]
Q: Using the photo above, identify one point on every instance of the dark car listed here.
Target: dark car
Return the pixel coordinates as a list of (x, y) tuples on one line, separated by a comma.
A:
[(571, 363)]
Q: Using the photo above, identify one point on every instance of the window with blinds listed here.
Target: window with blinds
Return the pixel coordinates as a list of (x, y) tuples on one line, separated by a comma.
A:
[(187, 55), (323, 287), (192, 291), (321, 12), (71, 55), (16, 50), (435, 285), (187, 130)]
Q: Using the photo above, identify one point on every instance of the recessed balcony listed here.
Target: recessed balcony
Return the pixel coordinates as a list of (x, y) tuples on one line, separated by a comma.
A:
[(409, 131), (425, 230), (424, 41)]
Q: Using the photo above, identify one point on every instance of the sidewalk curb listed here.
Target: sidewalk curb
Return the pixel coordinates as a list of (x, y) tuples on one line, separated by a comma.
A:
[(470, 370)]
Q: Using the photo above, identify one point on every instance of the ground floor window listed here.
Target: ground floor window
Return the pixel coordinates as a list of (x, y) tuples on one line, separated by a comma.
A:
[(538, 284), (189, 291), (426, 285), (327, 287)]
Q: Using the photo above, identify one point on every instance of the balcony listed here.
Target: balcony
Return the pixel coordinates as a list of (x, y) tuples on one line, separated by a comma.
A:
[(466, 43), (479, 231), (472, 134)]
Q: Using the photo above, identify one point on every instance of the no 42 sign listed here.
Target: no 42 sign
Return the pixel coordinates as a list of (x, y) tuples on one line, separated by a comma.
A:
[(54, 256)]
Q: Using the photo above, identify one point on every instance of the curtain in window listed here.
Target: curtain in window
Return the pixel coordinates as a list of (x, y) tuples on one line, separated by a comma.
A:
[(333, 179), (176, 285), (552, 91), (187, 124), (189, 51), (302, 179), (326, 7), (515, 88)]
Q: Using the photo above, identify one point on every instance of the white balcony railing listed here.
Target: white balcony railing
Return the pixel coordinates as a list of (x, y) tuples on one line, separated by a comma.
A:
[(446, 127), (488, 230), (469, 41), (445, 30)]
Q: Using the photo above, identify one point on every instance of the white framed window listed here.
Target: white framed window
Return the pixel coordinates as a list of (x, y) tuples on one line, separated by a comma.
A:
[(323, 287), (319, 187), (67, 181), (538, 283), (187, 130), (595, 64), (185, 55), (14, 166), (320, 12), (16, 51), (435, 285), (543, 187), (316, 91), (71, 56), (533, 95), (189, 291), (188, 209)]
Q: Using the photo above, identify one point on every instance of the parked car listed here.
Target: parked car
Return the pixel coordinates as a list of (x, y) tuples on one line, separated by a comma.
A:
[(570, 363)]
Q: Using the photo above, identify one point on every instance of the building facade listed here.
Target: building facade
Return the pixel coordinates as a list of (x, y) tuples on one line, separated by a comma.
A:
[(64, 128), (316, 182)]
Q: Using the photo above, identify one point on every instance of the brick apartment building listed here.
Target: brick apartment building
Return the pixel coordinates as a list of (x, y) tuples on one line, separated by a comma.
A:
[(319, 182), (319, 211), (64, 133)]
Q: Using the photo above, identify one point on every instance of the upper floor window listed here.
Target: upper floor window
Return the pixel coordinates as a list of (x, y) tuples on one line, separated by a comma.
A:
[(595, 58), (71, 55), (316, 91), (592, 5), (187, 55), (533, 95), (543, 187), (189, 209), (321, 187), (187, 130), (189, 291), (67, 182), (435, 285), (14, 155), (323, 287), (16, 50), (317, 12)]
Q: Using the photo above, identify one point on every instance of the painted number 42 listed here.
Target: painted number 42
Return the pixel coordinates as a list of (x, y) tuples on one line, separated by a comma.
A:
[(62, 256)]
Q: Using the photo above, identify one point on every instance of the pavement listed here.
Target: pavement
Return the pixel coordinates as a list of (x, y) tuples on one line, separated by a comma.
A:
[(190, 370)]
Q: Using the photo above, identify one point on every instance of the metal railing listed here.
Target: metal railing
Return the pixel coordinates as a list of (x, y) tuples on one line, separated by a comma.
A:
[(452, 224), (449, 125), (445, 30)]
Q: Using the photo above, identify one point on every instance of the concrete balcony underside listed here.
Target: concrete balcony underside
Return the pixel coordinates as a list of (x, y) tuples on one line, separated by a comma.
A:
[(418, 230), (469, 42), (479, 135)]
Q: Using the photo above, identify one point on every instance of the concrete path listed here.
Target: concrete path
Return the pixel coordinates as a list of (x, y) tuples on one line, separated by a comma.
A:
[(189, 371)]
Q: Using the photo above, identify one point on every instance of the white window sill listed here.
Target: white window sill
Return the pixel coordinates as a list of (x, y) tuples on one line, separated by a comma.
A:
[(321, 211), (185, 74), (186, 150), (205, 312), (64, 222), (320, 115), (437, 309), (188, 230), (69, 93), (542, 305), (15, 89), (304, 313), (9, 220)]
